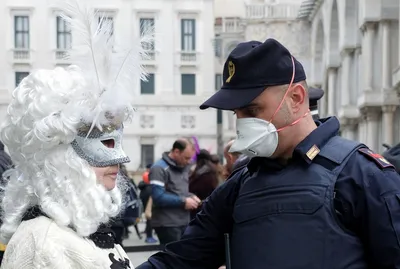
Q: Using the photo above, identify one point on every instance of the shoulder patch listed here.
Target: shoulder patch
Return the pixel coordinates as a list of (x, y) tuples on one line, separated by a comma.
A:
[(377, 158)]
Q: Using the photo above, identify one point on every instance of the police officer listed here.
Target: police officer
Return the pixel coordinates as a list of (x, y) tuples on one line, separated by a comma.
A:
[(393, 156), (308, 198), (314, 94)]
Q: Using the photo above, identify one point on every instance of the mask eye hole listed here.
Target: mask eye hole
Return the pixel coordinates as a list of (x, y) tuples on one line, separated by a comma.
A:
[(109, 143)]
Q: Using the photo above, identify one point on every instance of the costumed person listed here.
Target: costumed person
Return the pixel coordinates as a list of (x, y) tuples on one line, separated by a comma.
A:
[(63, 130)]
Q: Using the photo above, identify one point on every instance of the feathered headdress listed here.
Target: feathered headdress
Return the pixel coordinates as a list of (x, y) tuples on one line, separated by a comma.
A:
[(110, 72)]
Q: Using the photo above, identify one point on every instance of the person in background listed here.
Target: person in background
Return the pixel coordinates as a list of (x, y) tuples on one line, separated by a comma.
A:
[(215, 159), (145, 175), (145, 194), (117, 224), (169, 179), (133, 193), (5, 164), (204, 179), (230, 158), (314, 95), (392, 154), (5, 159)]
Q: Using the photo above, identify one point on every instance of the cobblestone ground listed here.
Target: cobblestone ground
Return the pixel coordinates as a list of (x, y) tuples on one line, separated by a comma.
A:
[(137, 258)]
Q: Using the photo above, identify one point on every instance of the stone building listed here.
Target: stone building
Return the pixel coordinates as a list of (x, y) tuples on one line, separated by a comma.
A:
[(355, 59), (181, 71)]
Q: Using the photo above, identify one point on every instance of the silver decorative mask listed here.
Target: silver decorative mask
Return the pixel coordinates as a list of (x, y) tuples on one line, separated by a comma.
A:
[(101, 148)]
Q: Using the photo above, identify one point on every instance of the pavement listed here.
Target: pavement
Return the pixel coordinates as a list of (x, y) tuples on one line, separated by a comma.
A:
[(137, 258)]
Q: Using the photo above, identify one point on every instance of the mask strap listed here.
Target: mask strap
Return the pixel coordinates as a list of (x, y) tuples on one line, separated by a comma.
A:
[(293, 123), (287, 91)]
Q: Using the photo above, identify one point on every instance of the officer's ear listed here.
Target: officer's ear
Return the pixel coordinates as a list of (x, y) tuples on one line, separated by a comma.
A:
[(298, 96)]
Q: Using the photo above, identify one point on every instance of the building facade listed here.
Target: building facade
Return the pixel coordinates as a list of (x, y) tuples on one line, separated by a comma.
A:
[(239, 20), (355, 59), (181, 64)]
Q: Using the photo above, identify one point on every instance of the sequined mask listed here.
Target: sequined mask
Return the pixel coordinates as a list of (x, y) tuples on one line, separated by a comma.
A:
[(101, 148)]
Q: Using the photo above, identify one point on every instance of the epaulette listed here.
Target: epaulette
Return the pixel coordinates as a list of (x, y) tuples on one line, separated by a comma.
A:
[(377, 158)]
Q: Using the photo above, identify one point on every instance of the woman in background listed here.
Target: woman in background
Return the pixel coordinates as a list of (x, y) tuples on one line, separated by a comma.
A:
[(204, 179)]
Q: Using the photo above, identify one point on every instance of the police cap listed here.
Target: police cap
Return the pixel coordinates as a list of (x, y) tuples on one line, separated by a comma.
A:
[(314, 94), (250, 68)]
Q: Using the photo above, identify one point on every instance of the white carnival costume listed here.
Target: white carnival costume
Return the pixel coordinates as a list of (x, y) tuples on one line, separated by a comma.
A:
[(61, 123)]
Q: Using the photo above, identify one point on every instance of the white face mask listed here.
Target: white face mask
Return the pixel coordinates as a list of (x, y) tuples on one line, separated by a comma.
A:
[(255, 137)]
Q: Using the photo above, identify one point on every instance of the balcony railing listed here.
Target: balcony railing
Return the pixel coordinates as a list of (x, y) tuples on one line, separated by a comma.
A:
[(188, 57), (150, 56), (60, 54), (228, 25), (21, 54), (272, 12)]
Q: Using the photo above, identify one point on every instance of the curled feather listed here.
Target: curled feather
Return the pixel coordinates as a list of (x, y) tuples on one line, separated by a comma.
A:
[(110, 71)]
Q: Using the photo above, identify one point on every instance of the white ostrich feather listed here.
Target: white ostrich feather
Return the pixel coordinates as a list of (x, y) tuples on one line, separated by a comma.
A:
[(111, 73)]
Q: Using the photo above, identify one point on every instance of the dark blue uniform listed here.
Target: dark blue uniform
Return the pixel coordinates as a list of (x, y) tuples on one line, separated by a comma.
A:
[(335, 204)]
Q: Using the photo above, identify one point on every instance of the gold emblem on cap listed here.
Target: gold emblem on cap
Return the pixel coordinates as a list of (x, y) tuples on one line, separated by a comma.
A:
[(312, 152), (231, 71)]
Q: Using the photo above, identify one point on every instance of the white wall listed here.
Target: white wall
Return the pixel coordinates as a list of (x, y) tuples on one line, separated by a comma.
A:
[(167, 106)]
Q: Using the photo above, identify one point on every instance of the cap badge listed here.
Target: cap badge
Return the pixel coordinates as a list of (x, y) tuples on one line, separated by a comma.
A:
[(231, 71)]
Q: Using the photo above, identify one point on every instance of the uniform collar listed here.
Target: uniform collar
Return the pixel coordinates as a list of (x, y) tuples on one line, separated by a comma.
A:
[(326, 129)]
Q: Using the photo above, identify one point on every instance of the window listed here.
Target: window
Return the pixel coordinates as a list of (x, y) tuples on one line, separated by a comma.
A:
[(146, 28), (147, 87), (63, 34), (218, 46), (147, 155), (21, 32), (218, 82), (107, 20), (188, 35), (188, 84), (19, 76)]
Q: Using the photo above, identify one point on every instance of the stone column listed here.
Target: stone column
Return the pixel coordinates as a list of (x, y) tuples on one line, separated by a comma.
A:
[(332, 74), (358, 75), (386, 69), (349, 128), (367, 52), (324, 103), (387, 124), (362, 132), (372, 117), (345, 89)]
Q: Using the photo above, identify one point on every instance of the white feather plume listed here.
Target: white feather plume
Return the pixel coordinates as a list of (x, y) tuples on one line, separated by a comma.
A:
[(111, 73)]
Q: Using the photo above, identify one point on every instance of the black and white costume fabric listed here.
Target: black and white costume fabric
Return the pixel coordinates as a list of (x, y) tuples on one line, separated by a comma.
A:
[(47, 245)]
